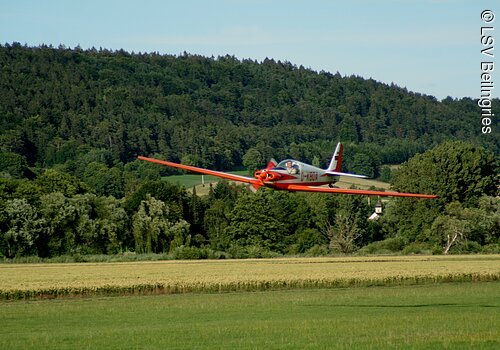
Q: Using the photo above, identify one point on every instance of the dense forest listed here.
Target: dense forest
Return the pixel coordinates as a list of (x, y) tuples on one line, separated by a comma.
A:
[(73, 121)]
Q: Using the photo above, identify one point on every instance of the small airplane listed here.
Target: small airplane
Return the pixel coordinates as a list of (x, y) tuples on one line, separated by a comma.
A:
[(292, 175)]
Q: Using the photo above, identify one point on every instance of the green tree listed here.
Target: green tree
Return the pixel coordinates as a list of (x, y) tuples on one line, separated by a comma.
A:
[(228, 192), (180, 235), (149, 224), (455, 171), (24, 226), (349, 129), (152, 229), (344, 233), (385, 174), (197, 207), (56, 181), (101, 226), (253, 223), (489, 219), (316, 162), (306, 239), (457, 224), (215, 222), (136, 172), (105, 181), (452, 227), (409, 218), (362, 164), (59, 214), (349, 227), (172, 194), (112, 225), (253, 160), (12, 164), (29, 190)]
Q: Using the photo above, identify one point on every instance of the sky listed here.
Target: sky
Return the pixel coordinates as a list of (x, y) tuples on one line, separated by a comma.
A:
[(431, 47)]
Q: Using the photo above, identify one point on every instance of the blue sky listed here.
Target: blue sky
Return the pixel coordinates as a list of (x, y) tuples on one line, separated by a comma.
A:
[(428, 46)]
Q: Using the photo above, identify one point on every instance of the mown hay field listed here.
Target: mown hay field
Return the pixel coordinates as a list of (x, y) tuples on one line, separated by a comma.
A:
[(26, 281)]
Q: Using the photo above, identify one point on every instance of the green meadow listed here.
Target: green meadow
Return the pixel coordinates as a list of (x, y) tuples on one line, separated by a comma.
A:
[(446, 315), (190, 180)]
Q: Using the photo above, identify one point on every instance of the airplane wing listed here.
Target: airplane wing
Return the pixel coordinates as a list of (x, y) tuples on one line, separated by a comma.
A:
[(358, 192), (220, 174)]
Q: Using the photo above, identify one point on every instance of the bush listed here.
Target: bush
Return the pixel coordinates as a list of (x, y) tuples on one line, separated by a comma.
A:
[(237, 252), (216, 254), (493, 248), (259, 252), (385, 174), (389, 245), (307, 239), (417, 248), (253, 251), (466, 247), (317, 250), (189, 253)]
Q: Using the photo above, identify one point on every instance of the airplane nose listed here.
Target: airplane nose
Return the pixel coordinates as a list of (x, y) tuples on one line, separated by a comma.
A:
[(272, 176), (265, 175), (260, 174)]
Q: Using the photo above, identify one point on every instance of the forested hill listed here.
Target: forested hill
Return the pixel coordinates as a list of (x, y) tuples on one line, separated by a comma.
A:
[(57, 105)]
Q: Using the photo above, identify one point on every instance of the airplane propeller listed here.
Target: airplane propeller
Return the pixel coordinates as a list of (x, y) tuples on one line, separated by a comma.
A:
[(266, 175)]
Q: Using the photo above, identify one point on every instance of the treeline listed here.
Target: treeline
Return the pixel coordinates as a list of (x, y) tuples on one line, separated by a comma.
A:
[(55, 214), (72, 107)]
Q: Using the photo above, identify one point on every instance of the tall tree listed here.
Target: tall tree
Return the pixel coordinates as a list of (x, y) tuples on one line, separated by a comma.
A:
[(151, 226), (253, 223), (24, 226), (455, 170)]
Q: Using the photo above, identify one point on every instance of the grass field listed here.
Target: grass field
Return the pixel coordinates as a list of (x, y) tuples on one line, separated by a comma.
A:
[(189, 181), (449, 315), (292, 303), (28, 281)]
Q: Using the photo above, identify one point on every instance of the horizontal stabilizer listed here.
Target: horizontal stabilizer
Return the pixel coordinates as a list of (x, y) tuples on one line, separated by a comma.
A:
[(338, 173)]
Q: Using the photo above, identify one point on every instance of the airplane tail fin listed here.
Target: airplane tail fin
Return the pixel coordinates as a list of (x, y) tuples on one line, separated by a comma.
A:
[(335, 167), (336, 162)]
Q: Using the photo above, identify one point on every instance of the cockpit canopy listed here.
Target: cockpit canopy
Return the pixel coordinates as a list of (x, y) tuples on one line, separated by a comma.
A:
[(290, 165)]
